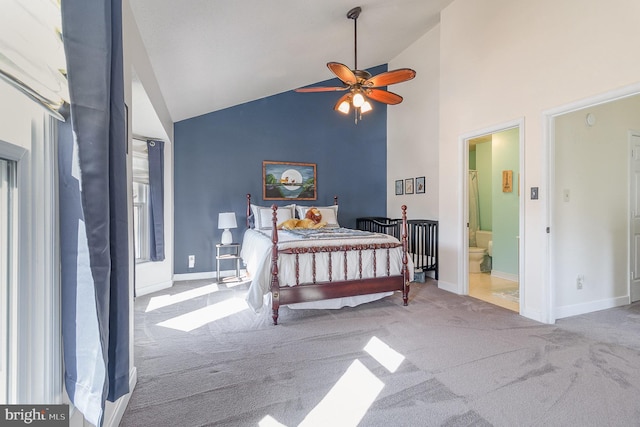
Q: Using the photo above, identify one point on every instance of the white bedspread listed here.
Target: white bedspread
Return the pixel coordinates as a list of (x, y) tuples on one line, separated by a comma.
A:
[(256, 254)]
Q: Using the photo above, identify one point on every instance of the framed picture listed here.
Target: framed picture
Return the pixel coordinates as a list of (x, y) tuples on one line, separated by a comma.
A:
[(399, 187), (408, 186), (507, 181), (288, 181), (420, 185)]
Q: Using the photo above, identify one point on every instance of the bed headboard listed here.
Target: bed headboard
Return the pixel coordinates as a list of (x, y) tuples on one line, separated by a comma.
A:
[(335, 202)]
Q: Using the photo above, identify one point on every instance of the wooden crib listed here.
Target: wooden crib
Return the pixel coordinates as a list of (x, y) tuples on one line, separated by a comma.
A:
[(422, 238)]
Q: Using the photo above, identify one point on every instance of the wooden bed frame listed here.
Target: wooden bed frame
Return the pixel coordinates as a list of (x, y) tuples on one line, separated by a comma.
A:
[(315, 291)]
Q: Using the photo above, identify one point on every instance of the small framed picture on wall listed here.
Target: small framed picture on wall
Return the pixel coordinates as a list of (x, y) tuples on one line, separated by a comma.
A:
[(420, 185), (399, 188), (408, 186)]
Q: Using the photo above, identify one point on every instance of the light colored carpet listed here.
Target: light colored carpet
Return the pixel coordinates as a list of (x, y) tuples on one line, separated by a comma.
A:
[(466, 363)]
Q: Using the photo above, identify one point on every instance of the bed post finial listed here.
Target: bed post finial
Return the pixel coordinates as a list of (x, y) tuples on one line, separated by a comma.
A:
[(405, 258), (248, 209), (335, 200)]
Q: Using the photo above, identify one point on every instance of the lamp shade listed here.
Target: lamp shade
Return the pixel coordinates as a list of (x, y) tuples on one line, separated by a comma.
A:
[(227, 220)]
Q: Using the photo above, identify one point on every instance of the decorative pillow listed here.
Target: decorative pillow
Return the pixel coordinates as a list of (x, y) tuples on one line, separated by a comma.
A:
[(262, 215), (329, 214)]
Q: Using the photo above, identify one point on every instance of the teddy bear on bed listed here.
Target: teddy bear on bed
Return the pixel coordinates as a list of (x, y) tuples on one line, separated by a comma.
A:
[(312, 220)]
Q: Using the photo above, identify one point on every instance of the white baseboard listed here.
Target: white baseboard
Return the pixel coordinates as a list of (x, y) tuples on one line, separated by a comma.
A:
[(205, 275), (112, 418), (194, 276), (505, 276), (153, 288), (451, 287), (589, 307), (533, 315)]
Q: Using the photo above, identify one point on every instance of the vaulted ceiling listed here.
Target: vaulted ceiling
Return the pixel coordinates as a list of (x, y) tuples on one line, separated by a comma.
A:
[(212, 54)]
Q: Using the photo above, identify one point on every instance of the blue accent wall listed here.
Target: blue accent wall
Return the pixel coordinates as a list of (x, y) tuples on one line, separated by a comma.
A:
[(218, 160)]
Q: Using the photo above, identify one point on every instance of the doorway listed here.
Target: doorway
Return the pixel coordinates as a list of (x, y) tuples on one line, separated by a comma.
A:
[(493, 207), (592, 260), (634, 201)]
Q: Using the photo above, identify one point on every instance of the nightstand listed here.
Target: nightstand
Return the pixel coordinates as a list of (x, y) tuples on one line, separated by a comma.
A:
[(227, 252)]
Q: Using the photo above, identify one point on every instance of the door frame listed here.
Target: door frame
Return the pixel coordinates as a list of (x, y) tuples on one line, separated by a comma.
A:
[(463, 260), (549, 312), (630, 251)]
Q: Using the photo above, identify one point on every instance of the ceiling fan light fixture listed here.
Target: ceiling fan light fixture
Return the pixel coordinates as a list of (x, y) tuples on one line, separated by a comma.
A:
[(344, 107), (366, 107), (358, 100)]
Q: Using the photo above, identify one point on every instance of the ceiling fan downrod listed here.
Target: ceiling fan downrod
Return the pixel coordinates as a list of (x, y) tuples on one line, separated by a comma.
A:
[(353, 14)]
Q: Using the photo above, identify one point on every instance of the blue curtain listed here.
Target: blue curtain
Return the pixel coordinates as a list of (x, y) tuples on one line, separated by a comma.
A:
[(93, 209), (155, 148)]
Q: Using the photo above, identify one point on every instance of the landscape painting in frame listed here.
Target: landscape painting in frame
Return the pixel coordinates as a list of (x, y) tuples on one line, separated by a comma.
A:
[(288, 181)]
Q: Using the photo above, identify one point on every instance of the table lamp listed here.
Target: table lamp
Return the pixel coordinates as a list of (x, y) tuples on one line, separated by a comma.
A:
[(226, 220)]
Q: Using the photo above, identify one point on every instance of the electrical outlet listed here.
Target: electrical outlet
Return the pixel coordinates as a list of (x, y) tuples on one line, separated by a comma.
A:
[(192, 261), (580, 281)]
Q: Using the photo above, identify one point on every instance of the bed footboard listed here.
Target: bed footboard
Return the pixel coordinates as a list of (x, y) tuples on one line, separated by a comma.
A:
[(315, 291)]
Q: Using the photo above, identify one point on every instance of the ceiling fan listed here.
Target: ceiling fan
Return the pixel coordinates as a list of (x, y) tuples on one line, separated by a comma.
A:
[(361, 86)]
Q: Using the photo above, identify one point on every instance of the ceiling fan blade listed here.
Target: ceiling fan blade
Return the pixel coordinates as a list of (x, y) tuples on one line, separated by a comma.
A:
[(390, 77), (343, 72), (341, 100), (384, 96), (321, 89)]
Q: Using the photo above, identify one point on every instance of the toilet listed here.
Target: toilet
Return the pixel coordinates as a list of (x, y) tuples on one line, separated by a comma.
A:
[(479, 256)]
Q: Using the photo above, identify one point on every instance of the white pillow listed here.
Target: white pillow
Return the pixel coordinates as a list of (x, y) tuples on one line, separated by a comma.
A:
[(329, 214), (263, 215)]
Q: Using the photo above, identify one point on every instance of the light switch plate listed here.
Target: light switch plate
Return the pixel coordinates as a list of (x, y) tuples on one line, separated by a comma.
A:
[(534, 193)]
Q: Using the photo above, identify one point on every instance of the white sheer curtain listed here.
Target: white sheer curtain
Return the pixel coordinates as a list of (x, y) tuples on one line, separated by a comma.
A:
[(474, 207)]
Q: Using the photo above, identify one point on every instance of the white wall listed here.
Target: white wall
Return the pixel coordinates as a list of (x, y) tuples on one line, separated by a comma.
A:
[(502, 60), (592, 237), (412, 129), (150, 118)]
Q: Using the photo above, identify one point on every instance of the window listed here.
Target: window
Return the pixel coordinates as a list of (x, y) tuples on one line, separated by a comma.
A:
[(141, 220), (7, 263), (31, 321), (32, 63), (141, 205)]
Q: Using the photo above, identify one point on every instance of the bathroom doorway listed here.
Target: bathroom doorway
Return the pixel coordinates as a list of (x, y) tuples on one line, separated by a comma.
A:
[(493, 217)]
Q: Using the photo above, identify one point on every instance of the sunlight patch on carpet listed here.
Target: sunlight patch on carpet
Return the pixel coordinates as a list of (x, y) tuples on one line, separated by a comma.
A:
[(269, 421), (167, 300), (385, 355), (197, 318), (348, 400)]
